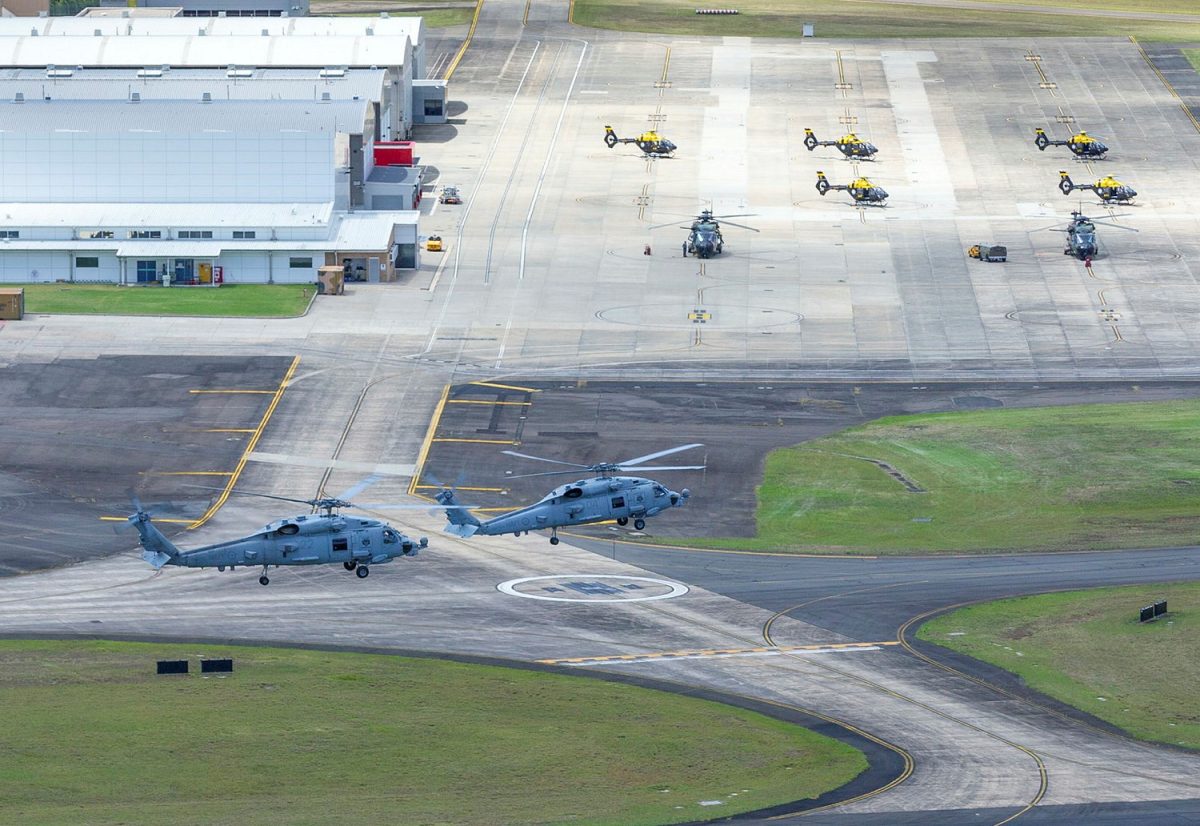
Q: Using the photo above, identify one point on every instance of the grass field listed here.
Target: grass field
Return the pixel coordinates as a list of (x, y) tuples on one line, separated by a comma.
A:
[(1087, 649), (1076, 477), (255, 300), (865, 19), (306, 737), (436, 13), (1193, 56)]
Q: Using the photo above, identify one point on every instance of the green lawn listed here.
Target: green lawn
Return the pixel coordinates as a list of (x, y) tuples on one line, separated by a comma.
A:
[(1193, 56), (307, 737), (854, 19), (1059, 478), (1087, 649), (258, 300)]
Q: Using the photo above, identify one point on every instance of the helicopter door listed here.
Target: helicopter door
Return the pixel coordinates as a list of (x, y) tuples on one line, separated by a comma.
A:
[(339, 550)]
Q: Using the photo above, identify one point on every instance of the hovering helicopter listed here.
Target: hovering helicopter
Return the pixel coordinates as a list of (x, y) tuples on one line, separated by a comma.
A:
[(860, 189), (704, 235), (1108, 188), (319, 538), (603, 497), (1081, 235), (850, 145), (1081, 144), (653, 144)]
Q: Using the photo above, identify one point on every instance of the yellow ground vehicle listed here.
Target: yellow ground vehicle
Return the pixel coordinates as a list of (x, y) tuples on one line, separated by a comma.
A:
[(433, 243)]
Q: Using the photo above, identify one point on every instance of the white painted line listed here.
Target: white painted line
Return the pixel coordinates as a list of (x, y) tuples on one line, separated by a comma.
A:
[(670, 658), (675, 589)]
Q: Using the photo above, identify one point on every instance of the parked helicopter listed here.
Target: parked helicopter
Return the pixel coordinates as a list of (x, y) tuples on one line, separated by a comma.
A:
[(1081, 144), (860, 189), (704, 235), (653, 144), (850, 145), (603, 497), (1108, 188), (319, 538), (1081, 235)]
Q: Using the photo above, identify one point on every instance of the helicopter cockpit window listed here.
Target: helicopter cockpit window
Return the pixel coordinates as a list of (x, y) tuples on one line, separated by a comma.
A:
[(573, 493), (289, 530), (659, 490), (390, 537)]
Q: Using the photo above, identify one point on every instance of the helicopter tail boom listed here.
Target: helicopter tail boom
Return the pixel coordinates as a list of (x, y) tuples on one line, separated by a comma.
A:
[(156, 548), (459, 520)]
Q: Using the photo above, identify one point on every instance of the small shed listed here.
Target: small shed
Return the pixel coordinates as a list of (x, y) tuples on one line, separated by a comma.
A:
[(330, 280), (12, 303)]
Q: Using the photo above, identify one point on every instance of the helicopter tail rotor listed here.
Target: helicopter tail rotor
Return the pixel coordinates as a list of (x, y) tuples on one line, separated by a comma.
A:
[(156, 548), (822, 183), (1065, 183), (810, 140), (610, 137), (1040, 140)]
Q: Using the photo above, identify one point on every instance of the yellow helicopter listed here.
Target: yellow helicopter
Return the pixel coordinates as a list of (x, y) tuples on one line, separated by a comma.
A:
[(850, 145), (1108, 188), (860, 189), (1081, 144), (653, 144)]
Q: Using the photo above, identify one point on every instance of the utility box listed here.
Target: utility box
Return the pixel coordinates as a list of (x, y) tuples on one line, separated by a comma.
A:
[(172, 666), (12, 303), (224, 666), (393, 153), (331, 280)]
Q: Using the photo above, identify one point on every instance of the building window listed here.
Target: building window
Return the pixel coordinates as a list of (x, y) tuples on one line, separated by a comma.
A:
[(145, 233), (194, 233), (300, 263), (10, 233), (242, 234), (146, 271), (433, 108), (91, 262), (97, 233)]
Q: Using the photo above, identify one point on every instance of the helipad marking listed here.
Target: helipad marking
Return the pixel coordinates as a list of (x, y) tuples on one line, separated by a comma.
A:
[(709, 654), (594, 588)]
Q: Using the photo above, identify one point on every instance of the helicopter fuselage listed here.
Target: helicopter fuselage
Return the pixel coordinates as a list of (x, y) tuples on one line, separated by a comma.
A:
[(315, 539), (1081, 240), (705, 240), (598, 499)]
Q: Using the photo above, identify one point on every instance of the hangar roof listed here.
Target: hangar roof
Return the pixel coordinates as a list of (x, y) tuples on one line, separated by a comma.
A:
[(152, 215), (183, 117), (412, 27), (202, 50)]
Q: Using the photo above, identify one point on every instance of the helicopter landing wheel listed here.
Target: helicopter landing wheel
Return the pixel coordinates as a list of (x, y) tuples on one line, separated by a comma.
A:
[(264, 580), (554, 540), (638, 524), (622, 521), (363, 572), (350, 566)]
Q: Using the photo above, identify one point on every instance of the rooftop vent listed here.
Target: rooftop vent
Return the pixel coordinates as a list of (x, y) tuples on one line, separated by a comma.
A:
[(370, 30), (234, 71), (266, 32), (333, 72), (135, 97), (150, 73), (325, 97), (20, 97), (33, 32), (97, 33), (206, 97), (201, 32), (52, 71)]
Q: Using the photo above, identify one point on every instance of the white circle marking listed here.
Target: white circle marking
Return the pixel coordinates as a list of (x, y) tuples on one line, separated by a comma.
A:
[(510, 588)]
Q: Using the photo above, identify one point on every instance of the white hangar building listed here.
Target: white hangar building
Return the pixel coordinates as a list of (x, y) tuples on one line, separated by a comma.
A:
[(202, 191), (204, 149)]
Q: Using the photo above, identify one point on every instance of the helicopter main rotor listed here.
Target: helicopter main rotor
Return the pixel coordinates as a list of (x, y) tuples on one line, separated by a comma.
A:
[(607, 469)]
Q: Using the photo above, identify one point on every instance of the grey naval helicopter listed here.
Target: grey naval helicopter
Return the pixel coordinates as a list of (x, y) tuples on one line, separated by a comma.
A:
[(651, 143), (850, 145), (704, 235), (1081, 236), (1108, 188), (860, 189), (1081, 144), (603, 497), (322, 537)]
